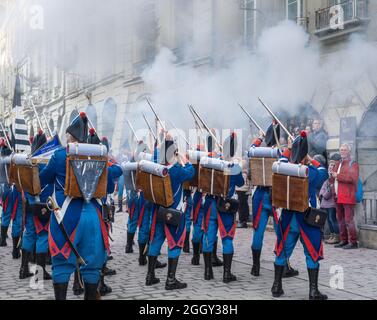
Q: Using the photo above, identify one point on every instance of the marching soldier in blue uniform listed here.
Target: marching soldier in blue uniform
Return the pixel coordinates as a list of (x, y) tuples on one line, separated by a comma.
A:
[(293, 227), (35, 235), (114, 172), (139, 214), (179, 173), (262, 208), (6, 196), (81, 220), (214, 219)]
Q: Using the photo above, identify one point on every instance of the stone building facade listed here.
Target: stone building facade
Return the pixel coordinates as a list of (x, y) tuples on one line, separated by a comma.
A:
[(214, 27)]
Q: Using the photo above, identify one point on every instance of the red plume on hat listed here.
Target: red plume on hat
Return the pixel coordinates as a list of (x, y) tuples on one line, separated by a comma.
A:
[(83, 115), (92, 131)]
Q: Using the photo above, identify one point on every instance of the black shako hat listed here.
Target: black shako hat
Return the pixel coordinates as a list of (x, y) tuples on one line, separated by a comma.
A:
[(299, 148), (210, 143), (270, 134), (93, 137), (38, 141), (168, 150), (79, 128), (4, 149), (230, 146)]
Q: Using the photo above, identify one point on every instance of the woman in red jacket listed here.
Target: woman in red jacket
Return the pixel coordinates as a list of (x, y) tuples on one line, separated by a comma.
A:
[(346, 175)]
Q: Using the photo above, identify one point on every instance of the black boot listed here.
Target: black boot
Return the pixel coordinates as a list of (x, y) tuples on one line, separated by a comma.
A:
[(171, 282), (24, 270), (103, 288), (289, 272), (314, 293), (196, 256), (107, 271), (60, 290), (216, 262), (90, 291), (151, 278), (256, 263), (130, 239), (32, 257), (120, 205), (228, 276), (142, 257), (186, 246), (208, 272), (16, 251), (160, 265), (3, 237), (277, 287), (48, 258), (77, 288), (41, 261)]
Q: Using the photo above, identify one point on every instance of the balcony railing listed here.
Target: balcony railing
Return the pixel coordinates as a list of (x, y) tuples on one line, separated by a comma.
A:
[(354, 10)]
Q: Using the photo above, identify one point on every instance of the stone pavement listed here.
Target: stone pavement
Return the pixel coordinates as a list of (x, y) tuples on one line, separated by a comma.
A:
[(358, 266)]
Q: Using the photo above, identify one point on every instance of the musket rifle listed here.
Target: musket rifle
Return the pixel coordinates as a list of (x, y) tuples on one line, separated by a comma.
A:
[(47, 125), (155, 114), (206, 127), (276, 119), (149, 126), (179, 133), (6, 138), (133, 131), (36, 114), (252, 119)]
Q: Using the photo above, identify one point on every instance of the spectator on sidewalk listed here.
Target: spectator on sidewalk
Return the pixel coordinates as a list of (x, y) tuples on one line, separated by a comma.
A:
[(317, 139), (243, 198), (328, 203), (346, 175)]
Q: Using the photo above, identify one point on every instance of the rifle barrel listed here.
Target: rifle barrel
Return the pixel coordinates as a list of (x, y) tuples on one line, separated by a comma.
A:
[(48, 127), (149, 126), (179, 133), (206, 127), (252, 119), (155, 114), (276, 119), (133, 131), (6, 137)]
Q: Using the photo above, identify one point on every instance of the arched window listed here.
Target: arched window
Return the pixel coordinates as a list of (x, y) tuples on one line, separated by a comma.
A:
[(59, 123), (109, 112), (31, 130), (51, 124)]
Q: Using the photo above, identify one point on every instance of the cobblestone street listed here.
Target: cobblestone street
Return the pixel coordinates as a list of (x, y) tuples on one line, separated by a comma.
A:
[(359, 266)]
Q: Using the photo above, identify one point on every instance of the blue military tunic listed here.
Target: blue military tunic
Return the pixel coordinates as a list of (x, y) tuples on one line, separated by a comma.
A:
[(175, 235), (83, 223)]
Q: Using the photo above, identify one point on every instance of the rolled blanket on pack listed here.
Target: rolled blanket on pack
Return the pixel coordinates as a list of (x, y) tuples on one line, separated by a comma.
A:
[(195, 155), (85, 149), (145, 156), (6, 160), (21, 159), (129, 166), (217, 164), (290, 169), (153, 168), (263, 152)]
